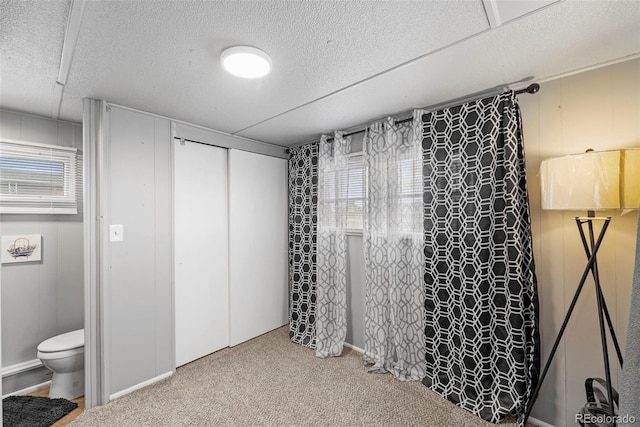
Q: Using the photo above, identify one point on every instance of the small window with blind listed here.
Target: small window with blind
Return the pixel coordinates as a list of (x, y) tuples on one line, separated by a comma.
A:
[(37, 178), (356, 193), (410, 195), (345, 196)]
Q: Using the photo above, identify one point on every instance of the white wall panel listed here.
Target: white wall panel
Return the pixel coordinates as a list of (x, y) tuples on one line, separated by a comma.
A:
[(258, 244), (201, 250), (163, 219), (139, 285)]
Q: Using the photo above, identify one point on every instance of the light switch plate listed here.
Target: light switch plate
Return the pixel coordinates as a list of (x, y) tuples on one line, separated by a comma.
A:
[(116, 233)]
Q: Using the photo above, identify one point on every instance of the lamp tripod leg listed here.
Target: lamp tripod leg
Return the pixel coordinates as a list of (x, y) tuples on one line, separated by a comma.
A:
[(611, 331), (603, 334), (605, 352), (594, 273)]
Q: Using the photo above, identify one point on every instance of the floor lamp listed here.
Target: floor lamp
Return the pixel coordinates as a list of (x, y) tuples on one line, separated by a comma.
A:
[(593, 181)]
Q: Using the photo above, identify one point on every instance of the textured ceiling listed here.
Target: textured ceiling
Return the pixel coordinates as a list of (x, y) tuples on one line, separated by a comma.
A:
[(31, 39), (336, 63)]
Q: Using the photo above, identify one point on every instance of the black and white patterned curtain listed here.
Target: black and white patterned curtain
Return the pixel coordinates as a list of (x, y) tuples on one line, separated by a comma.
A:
[(303, 220), (481, 298)]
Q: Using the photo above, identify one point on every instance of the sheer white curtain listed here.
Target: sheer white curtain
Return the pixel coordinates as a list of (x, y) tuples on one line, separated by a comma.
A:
[(393, 250), (331, 286)]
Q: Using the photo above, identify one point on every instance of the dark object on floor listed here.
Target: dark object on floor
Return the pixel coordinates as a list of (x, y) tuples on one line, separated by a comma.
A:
[(598, 408), (33, 411)]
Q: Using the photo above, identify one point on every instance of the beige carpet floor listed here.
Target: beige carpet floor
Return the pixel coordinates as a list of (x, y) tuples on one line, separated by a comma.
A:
[(269, 381)]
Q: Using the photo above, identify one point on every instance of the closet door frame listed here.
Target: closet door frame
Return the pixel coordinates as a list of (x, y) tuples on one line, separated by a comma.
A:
[(258, 245), (208, 274)]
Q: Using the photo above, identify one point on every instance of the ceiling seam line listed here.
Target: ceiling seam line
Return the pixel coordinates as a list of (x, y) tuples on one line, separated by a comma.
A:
[(359, 82), (479, 33), (69, 43)]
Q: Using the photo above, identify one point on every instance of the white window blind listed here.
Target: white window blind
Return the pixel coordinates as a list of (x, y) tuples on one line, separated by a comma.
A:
[(356, 193), (38, 178), (410, 195), (346, 192), (344, 195)]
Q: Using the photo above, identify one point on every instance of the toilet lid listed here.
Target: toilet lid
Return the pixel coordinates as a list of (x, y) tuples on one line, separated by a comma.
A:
[(63, 342)]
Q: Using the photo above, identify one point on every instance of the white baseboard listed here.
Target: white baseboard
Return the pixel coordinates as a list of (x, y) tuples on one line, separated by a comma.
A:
[(539, 423), (21, 367), (141, 385), (27, 390), (353, 347)]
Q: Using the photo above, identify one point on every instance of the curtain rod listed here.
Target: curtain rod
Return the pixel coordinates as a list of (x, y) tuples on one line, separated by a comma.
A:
[(531, 89)]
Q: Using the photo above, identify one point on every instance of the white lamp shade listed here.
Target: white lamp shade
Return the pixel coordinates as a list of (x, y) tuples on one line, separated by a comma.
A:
[(592, 181)]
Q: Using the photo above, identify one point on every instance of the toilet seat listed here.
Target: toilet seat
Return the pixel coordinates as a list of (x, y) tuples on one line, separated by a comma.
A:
[(63, 345), (43, 355)]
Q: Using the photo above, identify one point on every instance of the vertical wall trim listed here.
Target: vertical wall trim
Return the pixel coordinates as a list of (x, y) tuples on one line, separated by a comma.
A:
[(104, 213), (229, 243), (172, 177), (93, 134)]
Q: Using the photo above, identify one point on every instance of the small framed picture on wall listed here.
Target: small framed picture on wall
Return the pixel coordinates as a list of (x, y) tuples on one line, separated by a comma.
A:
[(21, 248)]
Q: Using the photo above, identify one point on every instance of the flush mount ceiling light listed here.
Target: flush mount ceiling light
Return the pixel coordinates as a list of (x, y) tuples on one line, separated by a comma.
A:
[(246, 62)]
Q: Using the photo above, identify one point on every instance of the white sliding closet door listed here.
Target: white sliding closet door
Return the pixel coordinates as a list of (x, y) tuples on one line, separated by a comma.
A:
[(258, 221), (201, 250)]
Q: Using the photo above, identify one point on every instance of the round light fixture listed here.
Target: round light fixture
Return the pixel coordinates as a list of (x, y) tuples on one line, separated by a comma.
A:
[(246, 62)]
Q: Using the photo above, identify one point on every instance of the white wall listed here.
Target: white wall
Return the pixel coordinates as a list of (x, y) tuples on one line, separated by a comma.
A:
[(40, 300), (139, 282), (355, 291)]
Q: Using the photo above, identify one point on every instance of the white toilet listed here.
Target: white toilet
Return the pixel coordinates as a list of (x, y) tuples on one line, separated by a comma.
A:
[(64, 355)]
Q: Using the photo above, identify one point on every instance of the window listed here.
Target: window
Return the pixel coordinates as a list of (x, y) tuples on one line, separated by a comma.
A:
[(37, 178), (356, 193), (345, 195), (410, 195)]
